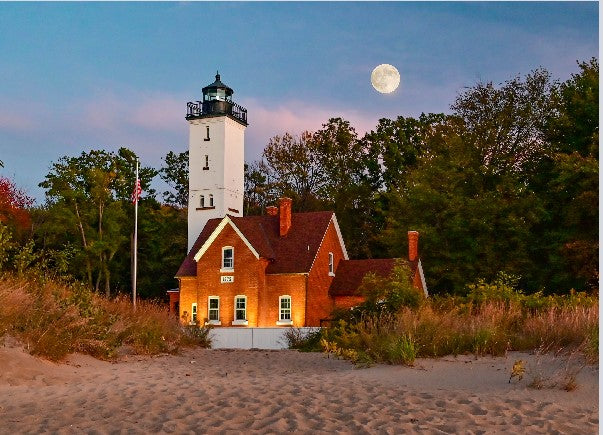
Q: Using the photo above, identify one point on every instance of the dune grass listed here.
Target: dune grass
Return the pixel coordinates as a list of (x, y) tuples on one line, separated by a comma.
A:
[(53, 320), (447, 327)]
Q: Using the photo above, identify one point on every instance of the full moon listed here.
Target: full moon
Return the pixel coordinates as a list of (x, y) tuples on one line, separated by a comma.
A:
[(385, 78)]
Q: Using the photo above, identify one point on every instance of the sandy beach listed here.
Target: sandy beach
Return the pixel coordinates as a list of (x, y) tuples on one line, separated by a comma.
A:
[(234, 391)]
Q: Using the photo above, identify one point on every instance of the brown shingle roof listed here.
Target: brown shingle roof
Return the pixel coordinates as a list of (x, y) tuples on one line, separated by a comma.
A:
[(293, 253), (349, 274)]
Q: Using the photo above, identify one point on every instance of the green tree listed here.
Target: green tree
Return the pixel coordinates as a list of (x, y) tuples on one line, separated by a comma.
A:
[(175, 174), (291, 169), (507, 123), (569, 182), (86, 205)]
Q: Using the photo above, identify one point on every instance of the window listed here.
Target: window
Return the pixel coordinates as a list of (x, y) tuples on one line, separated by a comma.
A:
[(206, 167), (331, 273), (228, 258), (207, 132), (202, 201), (284, 303), (213, 310), (194, 313), (211, 200), (240, 314)]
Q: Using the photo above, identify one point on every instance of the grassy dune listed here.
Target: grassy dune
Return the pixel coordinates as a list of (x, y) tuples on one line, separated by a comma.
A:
[(53, 320), (448, 327)]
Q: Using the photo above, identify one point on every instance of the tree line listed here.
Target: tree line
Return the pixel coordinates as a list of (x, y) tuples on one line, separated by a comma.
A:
[(505, 182)]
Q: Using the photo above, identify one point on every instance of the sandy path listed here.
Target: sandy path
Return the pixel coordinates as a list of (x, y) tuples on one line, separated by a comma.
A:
[(223, 391)]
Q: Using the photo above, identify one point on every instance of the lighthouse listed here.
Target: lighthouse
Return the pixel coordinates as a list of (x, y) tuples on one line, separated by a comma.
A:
[(216, 157)]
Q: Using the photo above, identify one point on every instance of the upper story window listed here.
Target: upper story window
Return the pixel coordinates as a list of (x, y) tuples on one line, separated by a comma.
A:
[(211, 200), (202, 201), (331, 269), (207, 133), (228, 257), (206, 167)]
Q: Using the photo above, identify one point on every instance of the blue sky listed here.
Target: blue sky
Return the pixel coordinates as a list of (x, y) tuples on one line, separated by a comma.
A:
[(81, 76)]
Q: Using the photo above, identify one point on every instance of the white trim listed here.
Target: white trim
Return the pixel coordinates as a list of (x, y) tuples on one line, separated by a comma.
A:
[(423, 283), (194, 312), (224, 268), (282, 321), (226, 220), (209, 320), (214, 322), (331, 264), (341, 243), (239, 321)]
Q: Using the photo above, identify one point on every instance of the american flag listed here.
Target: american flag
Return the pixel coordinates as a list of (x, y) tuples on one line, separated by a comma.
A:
[(137, 191)]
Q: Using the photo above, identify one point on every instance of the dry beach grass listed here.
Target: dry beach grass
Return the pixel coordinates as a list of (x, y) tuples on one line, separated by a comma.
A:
[(230, 391)]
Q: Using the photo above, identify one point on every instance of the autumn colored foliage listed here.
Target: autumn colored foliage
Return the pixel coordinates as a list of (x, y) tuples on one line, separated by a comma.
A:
[(14, 205)]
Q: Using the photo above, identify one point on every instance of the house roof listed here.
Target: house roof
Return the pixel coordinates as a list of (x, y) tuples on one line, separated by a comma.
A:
[(293, 253), (349, 274)]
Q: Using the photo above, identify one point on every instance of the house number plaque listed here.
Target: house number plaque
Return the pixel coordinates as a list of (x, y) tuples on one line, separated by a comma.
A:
[(224, 279)]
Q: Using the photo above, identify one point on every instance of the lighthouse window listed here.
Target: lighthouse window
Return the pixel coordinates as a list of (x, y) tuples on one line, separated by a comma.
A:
[(207, 133), (206, 167)]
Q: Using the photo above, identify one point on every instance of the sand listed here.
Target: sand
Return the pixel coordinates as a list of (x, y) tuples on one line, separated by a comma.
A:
[(234, 391)]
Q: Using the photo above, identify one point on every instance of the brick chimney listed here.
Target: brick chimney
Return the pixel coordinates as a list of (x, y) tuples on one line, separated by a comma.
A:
[(285, 215), (413, 245), (272, 210)]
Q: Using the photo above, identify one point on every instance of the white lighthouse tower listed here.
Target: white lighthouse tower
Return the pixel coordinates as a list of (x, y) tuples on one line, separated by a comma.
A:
[(216, 157)]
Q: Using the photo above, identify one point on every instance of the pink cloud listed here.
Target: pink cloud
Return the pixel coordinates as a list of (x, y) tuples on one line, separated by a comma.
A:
[(148, 111), (295, 117), (15, 120)]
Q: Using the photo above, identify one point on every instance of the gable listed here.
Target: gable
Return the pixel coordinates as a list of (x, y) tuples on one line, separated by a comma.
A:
[(212, 237), (339, 239)]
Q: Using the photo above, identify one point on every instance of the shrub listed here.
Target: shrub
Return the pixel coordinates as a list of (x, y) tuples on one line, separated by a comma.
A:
[(53, 320), (308, 341)]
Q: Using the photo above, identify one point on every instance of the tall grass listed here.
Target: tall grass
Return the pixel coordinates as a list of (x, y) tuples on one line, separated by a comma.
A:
[(448, 327), (53, 320)]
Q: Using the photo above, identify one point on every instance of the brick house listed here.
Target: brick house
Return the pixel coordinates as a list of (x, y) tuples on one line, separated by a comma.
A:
[(281, 269)]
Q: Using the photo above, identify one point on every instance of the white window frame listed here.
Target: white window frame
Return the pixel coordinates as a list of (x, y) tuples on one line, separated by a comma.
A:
[(240, 321), (194, 314), (331, 264), (211, 200), (209, 310), (281, 321), (223, 267)]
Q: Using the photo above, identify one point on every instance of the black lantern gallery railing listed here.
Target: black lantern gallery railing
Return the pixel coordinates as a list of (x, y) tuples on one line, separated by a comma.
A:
[(196, 109)]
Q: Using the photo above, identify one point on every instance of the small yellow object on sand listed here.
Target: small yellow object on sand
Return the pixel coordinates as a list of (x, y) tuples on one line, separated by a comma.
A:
[(518, 370)]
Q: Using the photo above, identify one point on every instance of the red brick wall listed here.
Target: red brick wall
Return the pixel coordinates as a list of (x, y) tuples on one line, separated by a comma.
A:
[(188, 295), (248, 278), (280, 285), (320, 304)]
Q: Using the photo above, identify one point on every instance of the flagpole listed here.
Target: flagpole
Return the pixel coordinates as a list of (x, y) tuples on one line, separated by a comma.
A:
[(136, 193)]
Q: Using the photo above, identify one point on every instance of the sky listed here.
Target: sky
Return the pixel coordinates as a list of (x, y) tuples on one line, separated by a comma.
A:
[(92, 75)]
